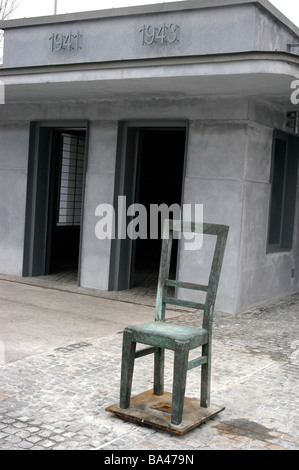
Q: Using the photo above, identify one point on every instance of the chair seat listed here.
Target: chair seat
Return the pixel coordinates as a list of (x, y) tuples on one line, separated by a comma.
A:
[(164, 335)]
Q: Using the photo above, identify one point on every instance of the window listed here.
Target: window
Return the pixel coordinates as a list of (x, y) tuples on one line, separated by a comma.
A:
[(71, 179), (283, 181)]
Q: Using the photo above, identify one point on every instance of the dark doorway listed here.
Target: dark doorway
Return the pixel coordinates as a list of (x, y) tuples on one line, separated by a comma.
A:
[(65, 200), (149, 170), (161, 155)]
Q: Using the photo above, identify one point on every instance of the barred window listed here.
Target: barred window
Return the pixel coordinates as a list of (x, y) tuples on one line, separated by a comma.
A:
[(71, 179)]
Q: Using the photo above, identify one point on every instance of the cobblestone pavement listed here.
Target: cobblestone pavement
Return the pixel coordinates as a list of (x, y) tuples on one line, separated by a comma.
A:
[(57, 400)]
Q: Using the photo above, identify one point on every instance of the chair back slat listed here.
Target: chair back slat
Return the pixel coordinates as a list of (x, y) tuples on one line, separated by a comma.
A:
[(186, 285), (184, 303)]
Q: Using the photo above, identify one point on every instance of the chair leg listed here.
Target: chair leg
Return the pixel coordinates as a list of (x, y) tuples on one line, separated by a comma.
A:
[(206, 377), (181, 355), (159, 372), (127, 368)]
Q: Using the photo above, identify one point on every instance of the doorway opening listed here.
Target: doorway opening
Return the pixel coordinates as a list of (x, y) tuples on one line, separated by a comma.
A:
[(54, 200), (65, 200), (149, 171), (161, 160)]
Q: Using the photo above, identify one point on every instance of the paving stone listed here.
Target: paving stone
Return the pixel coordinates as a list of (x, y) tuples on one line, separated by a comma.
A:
[(58, 438), (34, 439), (23, 434), (25, 445), (9, 430), (32, 429), (46, 444), (13, 439)]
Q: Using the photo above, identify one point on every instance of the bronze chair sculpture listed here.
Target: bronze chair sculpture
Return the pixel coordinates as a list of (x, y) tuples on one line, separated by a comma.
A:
[(160, 335)]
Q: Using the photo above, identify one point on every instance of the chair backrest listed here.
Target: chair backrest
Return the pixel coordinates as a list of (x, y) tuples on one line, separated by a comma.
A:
[(171, 226)]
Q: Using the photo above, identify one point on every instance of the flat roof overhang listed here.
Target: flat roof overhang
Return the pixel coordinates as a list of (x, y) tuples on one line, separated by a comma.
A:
[(267, 75), (145, 10)]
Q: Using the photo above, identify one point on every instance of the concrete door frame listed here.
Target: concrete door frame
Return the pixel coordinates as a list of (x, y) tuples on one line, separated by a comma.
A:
[(38, 193), (121, 255)]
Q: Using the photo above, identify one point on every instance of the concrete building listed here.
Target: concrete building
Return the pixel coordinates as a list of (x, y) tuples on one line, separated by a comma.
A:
[(184, 102)]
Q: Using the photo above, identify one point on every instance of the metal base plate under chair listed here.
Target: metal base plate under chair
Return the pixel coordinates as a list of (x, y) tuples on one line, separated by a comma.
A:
[(155, 411)]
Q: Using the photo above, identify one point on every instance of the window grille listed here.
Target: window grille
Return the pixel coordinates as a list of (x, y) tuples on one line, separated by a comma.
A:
[(71, 179)]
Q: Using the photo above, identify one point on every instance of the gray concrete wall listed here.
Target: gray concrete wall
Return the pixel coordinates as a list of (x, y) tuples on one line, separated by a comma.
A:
[(263, 276), (199, 31), (100, 175), (271, 35), (14, 143), (227, 170), (224, 29), (214, 178), (170, 108)]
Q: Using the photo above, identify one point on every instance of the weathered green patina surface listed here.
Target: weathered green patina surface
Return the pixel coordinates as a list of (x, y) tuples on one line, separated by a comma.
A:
[(165, 335), (181, 339)]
